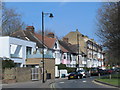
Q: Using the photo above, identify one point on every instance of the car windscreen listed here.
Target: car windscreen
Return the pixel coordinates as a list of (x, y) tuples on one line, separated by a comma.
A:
[(73, 73), (81, 70)]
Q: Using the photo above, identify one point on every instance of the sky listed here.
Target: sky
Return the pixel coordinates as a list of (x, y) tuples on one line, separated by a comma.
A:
[(68, 16)]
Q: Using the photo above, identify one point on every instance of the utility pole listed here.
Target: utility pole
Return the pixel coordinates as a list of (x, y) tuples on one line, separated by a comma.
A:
[(78, 49)]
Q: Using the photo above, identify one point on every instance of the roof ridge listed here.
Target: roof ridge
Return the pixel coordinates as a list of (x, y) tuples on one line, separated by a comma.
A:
[(23, 32), (15, 32)]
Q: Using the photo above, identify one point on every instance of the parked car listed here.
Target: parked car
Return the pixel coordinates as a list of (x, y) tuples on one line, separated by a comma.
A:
[(73, 75), (83, 73), (94, 72), (109, 71), (80, 75), (117, 69), (102, 72)]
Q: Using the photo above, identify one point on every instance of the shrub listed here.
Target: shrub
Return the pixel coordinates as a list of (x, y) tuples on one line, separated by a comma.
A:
[(71, 69), (7, 64), (62, 66)]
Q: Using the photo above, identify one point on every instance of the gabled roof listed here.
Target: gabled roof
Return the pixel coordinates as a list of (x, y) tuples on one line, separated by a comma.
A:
[(49, 42), (68, 47), (74, 48), (63, 49), (27, 35)]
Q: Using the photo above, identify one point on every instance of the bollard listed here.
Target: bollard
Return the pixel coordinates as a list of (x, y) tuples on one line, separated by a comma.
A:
[(99, 75), (110, 76)]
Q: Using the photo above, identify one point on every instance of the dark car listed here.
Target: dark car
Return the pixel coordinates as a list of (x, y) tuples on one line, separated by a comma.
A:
[(109, 71), (94, 72), (102, 72), (73, 75), (117, 69)]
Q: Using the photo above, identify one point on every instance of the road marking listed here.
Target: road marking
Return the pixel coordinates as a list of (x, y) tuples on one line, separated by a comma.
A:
[(84, 81), (52, 86), (61, 82)]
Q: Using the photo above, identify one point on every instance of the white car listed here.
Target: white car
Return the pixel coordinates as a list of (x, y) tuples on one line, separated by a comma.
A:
[(84, 73)]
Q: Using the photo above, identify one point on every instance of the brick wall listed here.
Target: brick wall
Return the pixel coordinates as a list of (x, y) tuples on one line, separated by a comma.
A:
[(24, 74), (49, 64), (16, 75)]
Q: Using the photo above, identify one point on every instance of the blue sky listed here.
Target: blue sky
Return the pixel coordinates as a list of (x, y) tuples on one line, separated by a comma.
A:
[(67, 16)]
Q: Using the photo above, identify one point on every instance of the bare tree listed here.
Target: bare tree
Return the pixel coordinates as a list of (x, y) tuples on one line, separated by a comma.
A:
[(109, 31), (11, 21)]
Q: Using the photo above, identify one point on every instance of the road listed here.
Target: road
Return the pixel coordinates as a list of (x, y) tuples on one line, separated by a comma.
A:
[(59, 83), (79, 83)]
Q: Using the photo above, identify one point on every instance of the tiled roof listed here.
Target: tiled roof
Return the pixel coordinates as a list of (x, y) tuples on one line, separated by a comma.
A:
[(63, 49), (74, 48), (68, 47), (27, 35), (49, 42)]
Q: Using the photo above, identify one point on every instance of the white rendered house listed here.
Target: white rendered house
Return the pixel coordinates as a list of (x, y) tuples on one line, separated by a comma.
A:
[(16, 49)]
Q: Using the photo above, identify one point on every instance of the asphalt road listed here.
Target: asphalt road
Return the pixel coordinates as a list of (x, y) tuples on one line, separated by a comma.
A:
[(79, 83)]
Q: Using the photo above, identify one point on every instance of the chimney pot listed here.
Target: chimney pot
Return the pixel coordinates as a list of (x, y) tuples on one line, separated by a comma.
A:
[(51, 35), (30, 28)]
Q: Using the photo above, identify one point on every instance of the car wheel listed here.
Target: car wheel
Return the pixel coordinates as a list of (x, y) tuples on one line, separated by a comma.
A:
[(81, 77)]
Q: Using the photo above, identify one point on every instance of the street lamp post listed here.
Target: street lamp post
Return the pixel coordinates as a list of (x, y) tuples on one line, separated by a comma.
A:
[(51, 15)]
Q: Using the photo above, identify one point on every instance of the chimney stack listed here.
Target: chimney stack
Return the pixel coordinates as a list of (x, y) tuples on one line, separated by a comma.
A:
[(51, 35), (30, 28), (65, 39), (76, 30)]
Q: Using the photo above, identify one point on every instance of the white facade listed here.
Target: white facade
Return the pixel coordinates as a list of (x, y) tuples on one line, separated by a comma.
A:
[(95, 55), (57, 56), (73, 60), (16, 49), (56, 53), (63, 72)]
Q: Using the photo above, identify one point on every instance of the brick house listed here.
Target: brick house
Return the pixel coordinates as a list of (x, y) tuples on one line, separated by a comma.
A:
[(76, 38), (90, 53), (51, 43)]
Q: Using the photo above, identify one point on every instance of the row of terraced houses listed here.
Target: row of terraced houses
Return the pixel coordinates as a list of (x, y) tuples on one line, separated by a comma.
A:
[(24, 47)]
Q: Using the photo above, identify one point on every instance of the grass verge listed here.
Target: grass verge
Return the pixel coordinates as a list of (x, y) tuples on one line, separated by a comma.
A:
[(114, 80), (110, 81)]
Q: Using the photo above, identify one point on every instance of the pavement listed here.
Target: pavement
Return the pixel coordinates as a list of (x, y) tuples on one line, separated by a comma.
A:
[(32, 84)]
